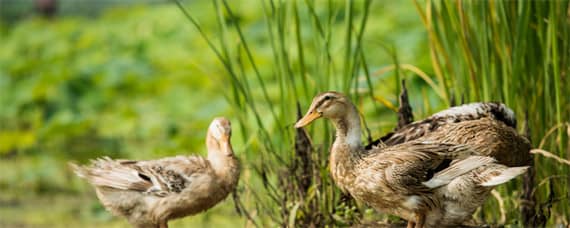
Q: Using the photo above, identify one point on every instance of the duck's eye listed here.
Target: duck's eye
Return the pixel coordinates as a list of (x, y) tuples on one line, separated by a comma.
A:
[(328, 97)]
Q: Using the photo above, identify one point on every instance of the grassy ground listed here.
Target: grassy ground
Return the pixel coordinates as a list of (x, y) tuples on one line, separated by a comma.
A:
[(83, 210), (55, 198)]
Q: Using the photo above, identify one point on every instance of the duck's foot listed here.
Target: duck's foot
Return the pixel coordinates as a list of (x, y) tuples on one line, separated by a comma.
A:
[(420, 220)]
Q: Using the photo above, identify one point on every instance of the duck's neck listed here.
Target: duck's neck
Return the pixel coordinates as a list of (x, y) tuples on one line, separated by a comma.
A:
[(348, 131), (346, 149), (224, 163)]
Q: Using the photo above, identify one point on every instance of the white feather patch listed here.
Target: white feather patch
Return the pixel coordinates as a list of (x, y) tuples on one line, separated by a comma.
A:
[(473, 108), (412, 202), (353, 137), (461, 167), (216, 129), (477, 109), (505, 176), (510, 114)]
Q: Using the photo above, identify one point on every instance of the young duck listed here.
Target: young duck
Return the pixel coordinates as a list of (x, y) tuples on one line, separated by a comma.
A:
[(150, 193), (412, 179)]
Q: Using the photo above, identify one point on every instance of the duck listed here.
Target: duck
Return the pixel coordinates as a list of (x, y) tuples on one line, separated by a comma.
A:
[(419, 180), (149, 193)]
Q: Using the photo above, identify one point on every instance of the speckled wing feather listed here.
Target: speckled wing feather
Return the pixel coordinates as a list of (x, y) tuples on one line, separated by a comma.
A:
[(456, 114), (158, 177), (406, 166), (172, 175)]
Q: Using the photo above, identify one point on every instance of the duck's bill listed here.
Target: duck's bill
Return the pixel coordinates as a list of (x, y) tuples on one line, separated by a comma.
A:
[(307, 119), (220, 129), (227, 148)]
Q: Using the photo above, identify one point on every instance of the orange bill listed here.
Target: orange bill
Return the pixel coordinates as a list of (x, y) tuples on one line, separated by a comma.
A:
[(307, 119)]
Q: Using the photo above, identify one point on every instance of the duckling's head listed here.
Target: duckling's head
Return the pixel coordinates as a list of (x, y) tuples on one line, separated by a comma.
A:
[(332, 105), (218, 138)]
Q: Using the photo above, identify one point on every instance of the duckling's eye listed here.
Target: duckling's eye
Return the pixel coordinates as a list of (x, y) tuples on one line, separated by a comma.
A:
[(328, 97)]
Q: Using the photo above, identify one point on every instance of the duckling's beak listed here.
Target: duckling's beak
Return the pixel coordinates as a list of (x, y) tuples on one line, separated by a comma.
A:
[(307, 119)]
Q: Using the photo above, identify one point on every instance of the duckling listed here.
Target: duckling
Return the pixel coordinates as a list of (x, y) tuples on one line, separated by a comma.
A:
[(412, 179), (150, 193)]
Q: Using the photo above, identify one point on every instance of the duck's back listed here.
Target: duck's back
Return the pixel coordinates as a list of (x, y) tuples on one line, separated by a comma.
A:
[(469, 112)]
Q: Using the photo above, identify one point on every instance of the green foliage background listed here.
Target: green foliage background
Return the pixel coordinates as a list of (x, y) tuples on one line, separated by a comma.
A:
[(140, 82)]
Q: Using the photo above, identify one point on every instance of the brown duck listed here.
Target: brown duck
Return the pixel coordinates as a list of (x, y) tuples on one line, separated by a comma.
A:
[(150, 193), (424, 181)]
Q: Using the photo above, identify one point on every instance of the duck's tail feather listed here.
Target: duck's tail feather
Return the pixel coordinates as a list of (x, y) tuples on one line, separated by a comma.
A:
[(457, 169), (505, 175), (108, 173), (78, 170)]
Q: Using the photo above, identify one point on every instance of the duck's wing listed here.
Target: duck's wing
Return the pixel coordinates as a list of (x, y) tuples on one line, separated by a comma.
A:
[(157, 177), (473, 111), (471, 190), (489, 138), (418, 167)]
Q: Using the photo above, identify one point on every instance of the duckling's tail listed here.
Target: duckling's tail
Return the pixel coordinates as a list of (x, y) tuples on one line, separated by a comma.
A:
[(504, 176)]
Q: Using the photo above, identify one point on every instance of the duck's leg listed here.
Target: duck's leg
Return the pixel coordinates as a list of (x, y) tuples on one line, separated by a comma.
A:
[(163, 224), (420, 220), (411, 224)]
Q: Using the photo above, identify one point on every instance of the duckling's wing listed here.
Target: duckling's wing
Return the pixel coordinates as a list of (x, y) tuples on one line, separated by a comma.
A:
[(158, 177), (473, 111)]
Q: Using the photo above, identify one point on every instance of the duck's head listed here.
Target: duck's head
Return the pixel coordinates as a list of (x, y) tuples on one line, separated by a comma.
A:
[(331, 105), (219, 134)]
